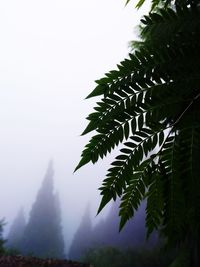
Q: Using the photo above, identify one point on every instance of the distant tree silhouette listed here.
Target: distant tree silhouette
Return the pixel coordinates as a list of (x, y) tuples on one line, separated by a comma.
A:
[(98, 234), (2, 241), (106, 233), (43, 233), (14, 239), (82, 238)]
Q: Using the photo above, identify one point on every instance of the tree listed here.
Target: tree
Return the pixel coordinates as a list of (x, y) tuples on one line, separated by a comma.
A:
[(82, 238), (43, 233), (133, 235), (14, 239), (151, 104), (105, 233), (2, 241)]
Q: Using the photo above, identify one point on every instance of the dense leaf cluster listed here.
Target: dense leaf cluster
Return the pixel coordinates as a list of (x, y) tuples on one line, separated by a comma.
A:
[(151, 104)]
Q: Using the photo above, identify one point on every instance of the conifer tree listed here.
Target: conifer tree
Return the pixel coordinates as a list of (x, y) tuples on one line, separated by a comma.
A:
[(14, 239), (133, 234), (43, 234), (82, 238), (2, 241)]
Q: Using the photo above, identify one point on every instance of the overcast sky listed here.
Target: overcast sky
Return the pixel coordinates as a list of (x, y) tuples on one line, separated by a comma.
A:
[(51, 51)]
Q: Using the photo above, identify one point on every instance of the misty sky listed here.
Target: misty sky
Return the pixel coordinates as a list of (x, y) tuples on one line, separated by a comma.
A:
[(51, 51)]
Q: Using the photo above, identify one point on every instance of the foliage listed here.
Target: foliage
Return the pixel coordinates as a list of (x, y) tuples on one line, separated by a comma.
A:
[(11, 252), (113, 257), (2, 241), (151, 104), (3, 248)]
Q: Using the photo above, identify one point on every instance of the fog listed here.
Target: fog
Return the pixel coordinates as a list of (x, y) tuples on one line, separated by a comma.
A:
[(51, 52)]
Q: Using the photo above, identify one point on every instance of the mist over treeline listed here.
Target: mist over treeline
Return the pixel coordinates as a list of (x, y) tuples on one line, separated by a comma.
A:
[(42, 235), (106, 233)]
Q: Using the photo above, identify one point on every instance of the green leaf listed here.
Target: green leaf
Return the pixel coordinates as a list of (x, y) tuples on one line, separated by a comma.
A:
[(117, 163), (121, 157), (91, 126), (130, 144), (99, 90), (127, 1), (155, 140), (140, 121), (123, 221), (105, 199), (125, 150), (133, 126), (136, 138), (126, 130), (82, 162), (161, 138), (140, 3)]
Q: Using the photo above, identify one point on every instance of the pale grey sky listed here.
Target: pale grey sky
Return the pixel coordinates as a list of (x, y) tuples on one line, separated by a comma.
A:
[(51, 51)]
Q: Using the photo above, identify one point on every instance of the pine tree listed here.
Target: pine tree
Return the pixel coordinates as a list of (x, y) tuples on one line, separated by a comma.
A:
[(82, 238), (98, 234), (106, 233), (43, 234), (14, 239), (2, 241)]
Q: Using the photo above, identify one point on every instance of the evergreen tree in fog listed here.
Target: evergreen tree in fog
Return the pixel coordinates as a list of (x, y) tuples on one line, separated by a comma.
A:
[(82, 238), (14, 239), (43, 233), (106, 233), (2, 241), (132, 235)]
